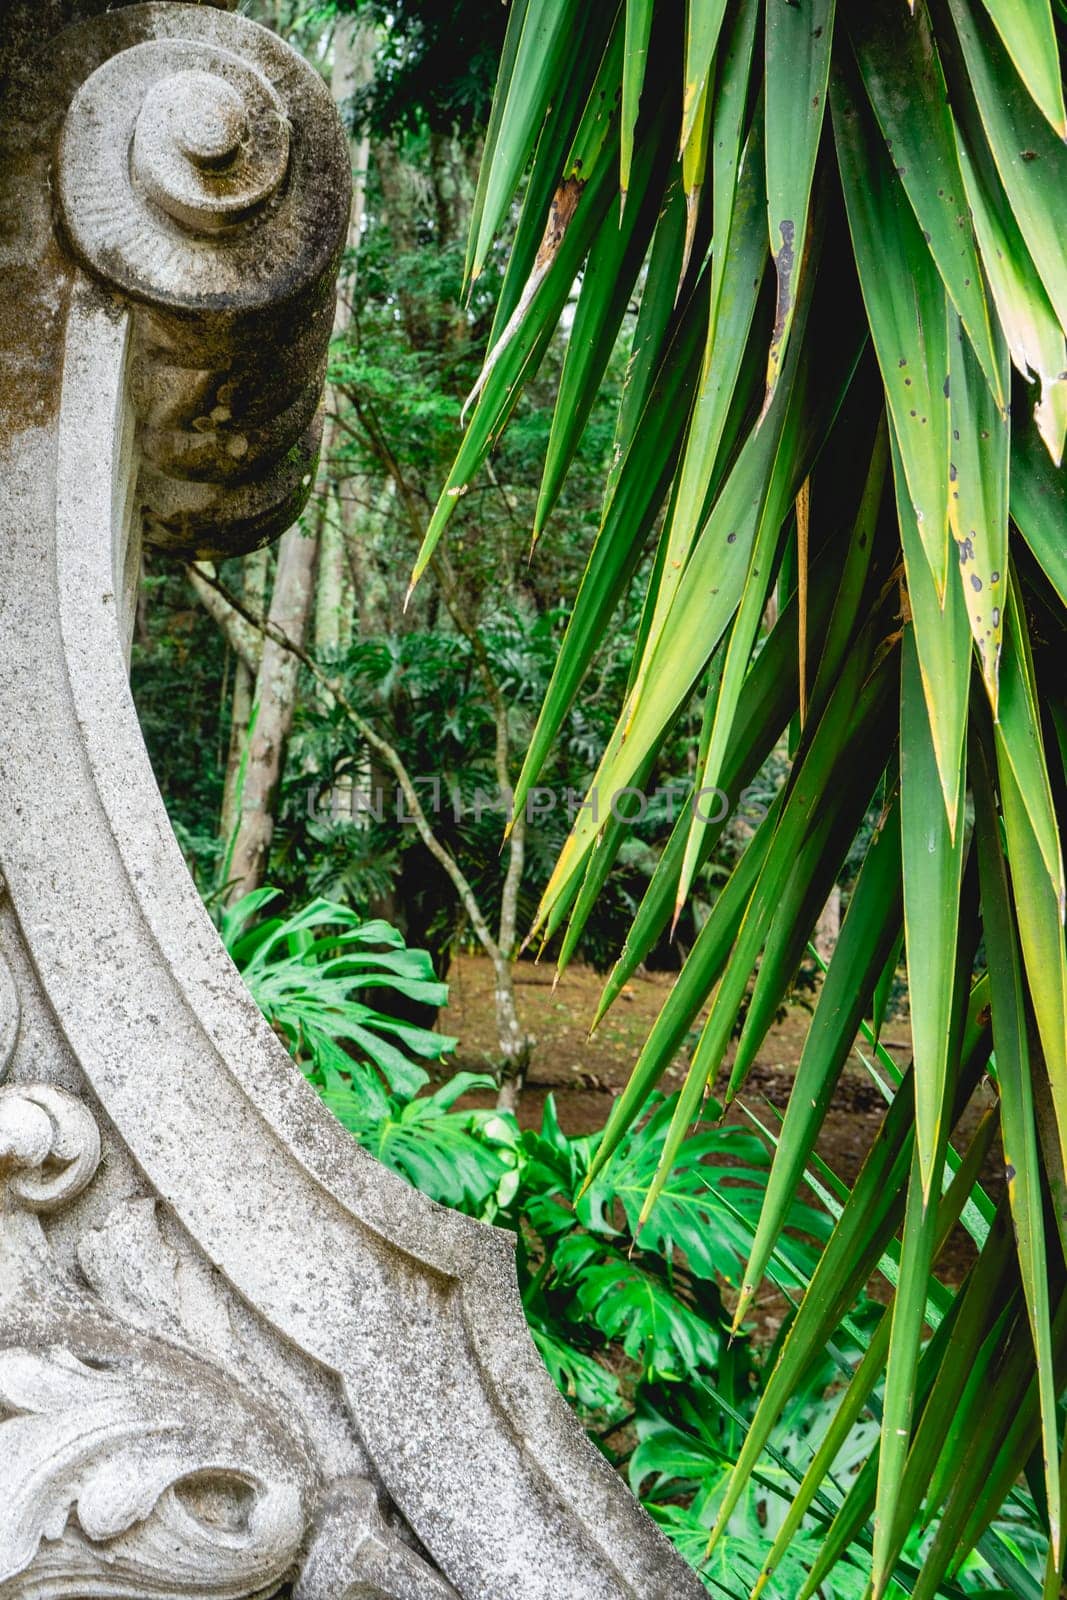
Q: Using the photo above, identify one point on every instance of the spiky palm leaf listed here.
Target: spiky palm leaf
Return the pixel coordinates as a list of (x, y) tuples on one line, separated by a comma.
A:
[(847, 226)]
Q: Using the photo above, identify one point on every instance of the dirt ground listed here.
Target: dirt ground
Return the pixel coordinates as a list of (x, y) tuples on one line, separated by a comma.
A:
[(585, 1074)]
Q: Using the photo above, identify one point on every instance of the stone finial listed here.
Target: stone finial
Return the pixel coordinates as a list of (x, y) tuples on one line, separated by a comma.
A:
[(199, 176)]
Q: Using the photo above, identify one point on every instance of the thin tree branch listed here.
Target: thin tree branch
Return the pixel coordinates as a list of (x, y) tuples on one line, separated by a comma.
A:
[(389, 755)]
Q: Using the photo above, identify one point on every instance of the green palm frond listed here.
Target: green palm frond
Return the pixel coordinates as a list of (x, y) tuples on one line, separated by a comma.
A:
[(846, 225)]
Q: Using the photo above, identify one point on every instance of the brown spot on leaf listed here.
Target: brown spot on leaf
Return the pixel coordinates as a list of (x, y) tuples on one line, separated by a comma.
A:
[(560, 215)]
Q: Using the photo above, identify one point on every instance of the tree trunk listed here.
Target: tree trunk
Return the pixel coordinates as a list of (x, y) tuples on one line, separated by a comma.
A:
[(254, 588), (515, 1042), (294, 585), (244, 685), (275, 694), (829, 925), (353, 65), (334, 597)]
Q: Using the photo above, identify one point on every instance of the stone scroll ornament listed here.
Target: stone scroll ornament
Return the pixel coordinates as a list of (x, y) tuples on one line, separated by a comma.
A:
[(237, 1357)]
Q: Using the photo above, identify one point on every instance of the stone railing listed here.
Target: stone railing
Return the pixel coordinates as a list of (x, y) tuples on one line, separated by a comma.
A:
[(237, 1357)]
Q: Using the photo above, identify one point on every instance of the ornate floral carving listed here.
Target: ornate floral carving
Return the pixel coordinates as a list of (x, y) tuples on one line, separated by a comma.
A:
[(128, 1470), (132, 1467)]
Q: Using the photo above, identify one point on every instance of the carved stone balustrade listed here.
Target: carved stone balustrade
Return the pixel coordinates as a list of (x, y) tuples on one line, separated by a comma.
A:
[(237, 1357)]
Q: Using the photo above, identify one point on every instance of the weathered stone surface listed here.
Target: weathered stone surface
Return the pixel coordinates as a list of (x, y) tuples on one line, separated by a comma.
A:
[(235, 1354)]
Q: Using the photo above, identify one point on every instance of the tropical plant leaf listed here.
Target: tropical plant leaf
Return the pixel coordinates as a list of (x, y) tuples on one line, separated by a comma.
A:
[(1011, 1045), (868, 1220), (643, 480), (537, 57), (1034, 336), (905, 303), (638, 29), (978, 504), (1030, 158), (1029, 35), (310, 974), (553, 144), (848, 723), (768, 694), (861, 1385), (933, 869), (870, 929), (608, 280), (1034, 854), (733, 307), (1039, 506), (904, 80), (798, 41), (703, 20), (943, 646)]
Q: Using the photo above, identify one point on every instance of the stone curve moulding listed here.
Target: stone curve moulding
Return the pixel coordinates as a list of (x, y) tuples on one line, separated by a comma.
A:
[(237, 1357)]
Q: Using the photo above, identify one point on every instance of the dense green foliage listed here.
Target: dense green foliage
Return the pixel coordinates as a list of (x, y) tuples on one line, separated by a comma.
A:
[(632, 1324), (423, 689), (861, 235)]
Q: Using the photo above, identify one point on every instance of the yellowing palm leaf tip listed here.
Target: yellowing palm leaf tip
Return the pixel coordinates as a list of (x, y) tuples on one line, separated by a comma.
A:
[(832, 240)]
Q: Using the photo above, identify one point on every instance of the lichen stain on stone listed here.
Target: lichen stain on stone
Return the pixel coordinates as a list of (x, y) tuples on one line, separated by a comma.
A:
[(37, 288)]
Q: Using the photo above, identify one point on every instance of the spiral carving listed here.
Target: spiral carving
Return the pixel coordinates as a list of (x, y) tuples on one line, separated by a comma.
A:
[(202, 173), (209, 151), (49, 1146)]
